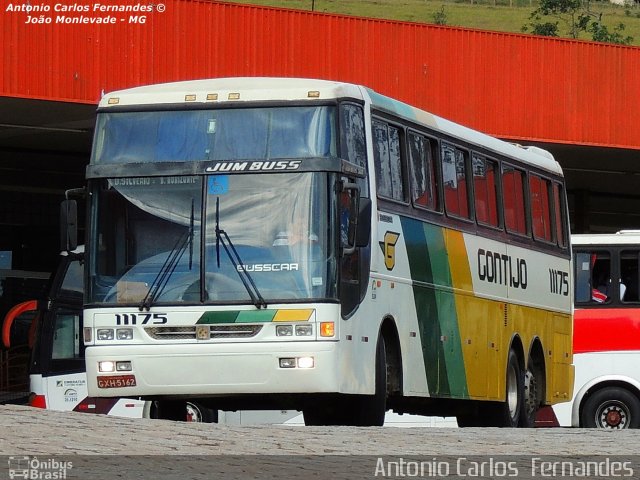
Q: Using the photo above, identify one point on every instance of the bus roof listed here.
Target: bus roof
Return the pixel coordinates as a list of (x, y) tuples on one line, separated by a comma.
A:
[(241, 89), (256, 89), (623, 237)]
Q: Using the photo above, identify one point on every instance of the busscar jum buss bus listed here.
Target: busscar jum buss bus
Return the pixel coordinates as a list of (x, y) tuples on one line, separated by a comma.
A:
[(606, 341), (313, 245)]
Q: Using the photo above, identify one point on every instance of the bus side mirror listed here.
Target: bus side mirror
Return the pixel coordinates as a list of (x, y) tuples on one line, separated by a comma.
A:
[(364, 223), (68, 225)]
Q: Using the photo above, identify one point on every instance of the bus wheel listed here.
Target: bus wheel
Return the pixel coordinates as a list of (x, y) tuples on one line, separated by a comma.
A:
[(372, 408), (199, 414), (613, 408), (181, 411), (169, 410), (508, 412), (532, 395), (354, 410)]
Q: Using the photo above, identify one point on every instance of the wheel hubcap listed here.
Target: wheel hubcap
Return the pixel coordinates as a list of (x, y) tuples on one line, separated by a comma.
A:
[(512, 392), (193, 414), (530, 393), (613, 416)]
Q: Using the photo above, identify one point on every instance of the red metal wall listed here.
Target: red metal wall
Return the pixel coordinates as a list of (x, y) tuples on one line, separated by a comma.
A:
[(513, 86)]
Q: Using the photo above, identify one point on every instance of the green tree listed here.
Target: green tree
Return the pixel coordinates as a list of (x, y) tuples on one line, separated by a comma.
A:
[(577, 18)]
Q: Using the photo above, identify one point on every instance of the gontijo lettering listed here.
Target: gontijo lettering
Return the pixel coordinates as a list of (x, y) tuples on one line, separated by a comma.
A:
[(495, 267)]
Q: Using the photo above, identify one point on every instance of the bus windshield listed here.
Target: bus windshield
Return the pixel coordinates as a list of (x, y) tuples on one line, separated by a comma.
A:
[(222, 134), (192, 239)]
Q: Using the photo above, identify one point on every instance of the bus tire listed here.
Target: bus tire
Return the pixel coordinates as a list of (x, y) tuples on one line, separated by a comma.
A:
[(372, 408), (182, 411), (354, 410), (613, 408), (532, 397), (174, 410), (508, 413), (200, 414)]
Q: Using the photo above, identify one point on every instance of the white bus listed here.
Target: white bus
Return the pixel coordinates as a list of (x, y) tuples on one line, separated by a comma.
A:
[(606, 336), (313, 245)]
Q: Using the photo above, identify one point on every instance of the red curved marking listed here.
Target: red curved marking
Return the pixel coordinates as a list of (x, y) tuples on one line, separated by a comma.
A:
[(606, 329), (11, 315)]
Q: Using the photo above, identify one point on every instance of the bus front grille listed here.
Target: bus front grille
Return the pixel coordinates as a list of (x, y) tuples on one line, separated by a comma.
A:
[(215, 331)]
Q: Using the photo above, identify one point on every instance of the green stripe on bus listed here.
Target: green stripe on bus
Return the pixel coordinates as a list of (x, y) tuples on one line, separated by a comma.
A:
[(236, 316), (420, 264), (435, 309)]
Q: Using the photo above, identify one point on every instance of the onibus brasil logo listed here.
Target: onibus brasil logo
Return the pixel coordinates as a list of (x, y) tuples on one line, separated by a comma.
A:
[(35, 469)]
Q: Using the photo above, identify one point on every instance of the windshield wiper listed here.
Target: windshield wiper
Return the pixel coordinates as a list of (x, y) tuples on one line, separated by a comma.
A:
[(232, 253), (170, 264)]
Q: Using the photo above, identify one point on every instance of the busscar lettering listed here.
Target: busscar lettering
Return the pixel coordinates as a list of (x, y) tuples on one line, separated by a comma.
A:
[(269, 267), (502, 269)]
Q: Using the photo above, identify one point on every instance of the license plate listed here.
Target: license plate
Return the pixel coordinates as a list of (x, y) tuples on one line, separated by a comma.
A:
[(117, 381)]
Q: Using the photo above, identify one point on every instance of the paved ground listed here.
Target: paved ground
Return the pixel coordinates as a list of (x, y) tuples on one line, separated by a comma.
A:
[(81, 437)]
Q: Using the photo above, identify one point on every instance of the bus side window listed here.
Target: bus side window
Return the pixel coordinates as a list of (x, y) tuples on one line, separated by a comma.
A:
[(600, 277), (629, 276), (423, 191), (352, 140), (559, 212), (540, 194), (485, 190), (454, 173), (513, 188), (388, 164)]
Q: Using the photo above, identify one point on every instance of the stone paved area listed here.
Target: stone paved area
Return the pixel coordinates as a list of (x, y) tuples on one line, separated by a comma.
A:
[(82, 437)]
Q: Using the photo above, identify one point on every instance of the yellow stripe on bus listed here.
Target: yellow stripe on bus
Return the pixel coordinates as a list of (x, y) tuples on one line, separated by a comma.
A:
[(293, 315)]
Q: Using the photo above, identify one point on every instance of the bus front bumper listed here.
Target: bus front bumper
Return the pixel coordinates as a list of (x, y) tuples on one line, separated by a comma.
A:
[(214, 369)]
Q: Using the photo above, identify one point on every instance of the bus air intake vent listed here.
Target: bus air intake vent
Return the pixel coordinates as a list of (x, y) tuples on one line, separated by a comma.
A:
[(216, 331)]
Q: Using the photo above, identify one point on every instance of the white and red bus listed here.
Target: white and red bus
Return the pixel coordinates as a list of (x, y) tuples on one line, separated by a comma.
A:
[(606, 337)]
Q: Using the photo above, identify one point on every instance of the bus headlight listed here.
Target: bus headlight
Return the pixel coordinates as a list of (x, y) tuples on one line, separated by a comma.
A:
[(106, 366), (123, 366), (287, 363), (305, 330), (297, 362), (124, 333), (104, 334), (284, 330), (305, 362)]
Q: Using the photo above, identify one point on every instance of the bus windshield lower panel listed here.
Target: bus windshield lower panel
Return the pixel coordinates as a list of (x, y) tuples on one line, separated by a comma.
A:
[(212, 239)]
